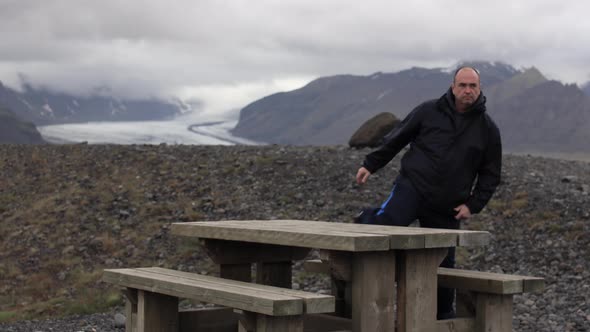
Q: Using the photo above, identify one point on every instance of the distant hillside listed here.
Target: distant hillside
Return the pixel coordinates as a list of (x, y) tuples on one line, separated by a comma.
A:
[(549, 117), (43, 107), (16, 131), (328, 110), (532, 112), (586, 88)]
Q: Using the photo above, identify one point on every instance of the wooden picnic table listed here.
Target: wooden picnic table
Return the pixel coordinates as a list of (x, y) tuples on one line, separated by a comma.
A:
[(375, 252)]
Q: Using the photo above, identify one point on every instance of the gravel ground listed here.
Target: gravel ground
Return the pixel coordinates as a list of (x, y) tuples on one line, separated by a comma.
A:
[(103, 322), (539, 218)]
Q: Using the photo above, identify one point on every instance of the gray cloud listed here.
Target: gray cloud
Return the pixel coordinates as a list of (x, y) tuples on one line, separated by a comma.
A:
[(157, 48)]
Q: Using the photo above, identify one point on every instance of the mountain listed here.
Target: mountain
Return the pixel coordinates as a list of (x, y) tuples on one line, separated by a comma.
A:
[(548, 117), (533, 113), (328, 110), (16, 131), (43, 107), (586, 88)]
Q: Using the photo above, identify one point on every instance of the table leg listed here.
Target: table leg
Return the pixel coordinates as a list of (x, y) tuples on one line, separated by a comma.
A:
[(373, 291), (417, 289), (156, 312)]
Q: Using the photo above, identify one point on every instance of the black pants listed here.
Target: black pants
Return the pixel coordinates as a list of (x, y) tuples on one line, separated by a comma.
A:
[(402, 207)]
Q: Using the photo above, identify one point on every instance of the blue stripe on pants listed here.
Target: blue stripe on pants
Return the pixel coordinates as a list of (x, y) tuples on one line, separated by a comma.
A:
[(382, 209)]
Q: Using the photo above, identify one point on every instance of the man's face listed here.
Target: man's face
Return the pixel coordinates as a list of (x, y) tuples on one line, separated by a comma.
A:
[(466, 88)]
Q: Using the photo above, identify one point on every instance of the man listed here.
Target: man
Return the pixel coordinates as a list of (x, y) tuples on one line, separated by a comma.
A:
[(450, 171)]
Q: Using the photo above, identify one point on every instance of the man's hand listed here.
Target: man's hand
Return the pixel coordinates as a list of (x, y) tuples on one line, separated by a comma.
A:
[(463, 212), (362, 175)]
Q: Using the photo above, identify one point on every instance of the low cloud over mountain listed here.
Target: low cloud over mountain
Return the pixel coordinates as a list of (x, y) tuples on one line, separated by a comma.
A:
[(43, 107)]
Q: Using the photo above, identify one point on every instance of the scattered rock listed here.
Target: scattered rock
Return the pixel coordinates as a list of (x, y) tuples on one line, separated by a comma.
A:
[(120, 320), (371, 133)]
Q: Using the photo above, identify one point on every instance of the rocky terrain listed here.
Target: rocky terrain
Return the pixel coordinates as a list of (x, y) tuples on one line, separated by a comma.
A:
[(67, 212)]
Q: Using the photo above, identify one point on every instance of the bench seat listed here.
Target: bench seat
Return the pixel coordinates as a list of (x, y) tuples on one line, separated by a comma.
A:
[(484, 299), (488, 282), (266, 307)]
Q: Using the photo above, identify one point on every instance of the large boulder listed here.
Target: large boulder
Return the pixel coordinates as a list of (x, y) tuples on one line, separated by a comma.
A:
[(371, 133)]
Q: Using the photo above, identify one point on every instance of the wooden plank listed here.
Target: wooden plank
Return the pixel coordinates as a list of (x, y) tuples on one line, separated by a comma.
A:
[(464, 237), (400, 237), (130, 309), (373, 291), (440, 240), (240, 252), (294, 236), (467, 238), (417, 289), (493, 313), (277, 274), (312, 302), (465, 279), (235, 296), (488, 282), (156, 312), (473, 239), (456, 325), (533, 285), (307, 232)]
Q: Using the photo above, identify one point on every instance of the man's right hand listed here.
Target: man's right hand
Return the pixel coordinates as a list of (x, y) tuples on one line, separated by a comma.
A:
[(362, 175)]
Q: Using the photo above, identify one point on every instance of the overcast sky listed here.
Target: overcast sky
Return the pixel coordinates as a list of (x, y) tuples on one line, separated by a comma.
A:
[(229, 52)]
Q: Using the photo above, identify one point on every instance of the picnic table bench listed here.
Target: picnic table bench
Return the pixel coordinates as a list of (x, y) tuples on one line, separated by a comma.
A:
[(153, 301), (389, 277), (484, 299), (377, 254)]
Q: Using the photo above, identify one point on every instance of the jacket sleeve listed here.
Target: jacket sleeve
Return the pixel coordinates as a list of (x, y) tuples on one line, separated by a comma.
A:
[(488, 176), (395, 141)]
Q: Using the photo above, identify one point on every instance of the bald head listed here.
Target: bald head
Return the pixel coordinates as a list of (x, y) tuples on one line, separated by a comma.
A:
[(466, 69)]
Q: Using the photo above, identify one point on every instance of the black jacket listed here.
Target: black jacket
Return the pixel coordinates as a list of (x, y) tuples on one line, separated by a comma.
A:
[(449, 153)]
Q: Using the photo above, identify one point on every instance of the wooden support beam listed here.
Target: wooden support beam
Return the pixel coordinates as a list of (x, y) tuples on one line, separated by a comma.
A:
[(456, 325), (130, 309), (373, 291), (156, 312), (488, 282), (266, 323), (417, 289), (493, 313), (236, 252)]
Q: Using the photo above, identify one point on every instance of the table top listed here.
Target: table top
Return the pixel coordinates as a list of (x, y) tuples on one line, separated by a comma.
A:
[(330, 235)]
